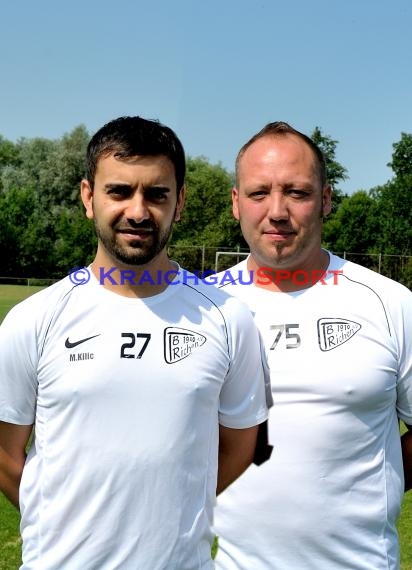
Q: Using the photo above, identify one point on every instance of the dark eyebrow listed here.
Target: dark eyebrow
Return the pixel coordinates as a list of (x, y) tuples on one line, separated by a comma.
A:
[(299, 186), (159, 187), (257, 187), (120, 186), (154, 192)]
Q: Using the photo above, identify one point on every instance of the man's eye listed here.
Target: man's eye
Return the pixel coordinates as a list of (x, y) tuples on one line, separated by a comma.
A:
[(257, 194), (297, 193), (157, 194), (119, 191)]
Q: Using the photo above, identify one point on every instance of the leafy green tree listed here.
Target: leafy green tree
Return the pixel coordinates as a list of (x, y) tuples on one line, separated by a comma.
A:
[(16, 210), (40, 199), (394, 202), (402, 156), (208, 194), (335, 171), (65, 167), (31, 166), (8, 238), (379, 221), (394, 216), (76, 241), (205, 218), (354, 227), (9, 154), (53, 168)]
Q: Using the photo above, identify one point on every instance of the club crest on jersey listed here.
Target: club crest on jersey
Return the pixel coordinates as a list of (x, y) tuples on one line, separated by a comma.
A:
[(180, 343), (335, 331)]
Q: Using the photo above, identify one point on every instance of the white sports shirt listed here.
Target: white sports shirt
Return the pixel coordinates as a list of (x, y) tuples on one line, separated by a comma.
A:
[(341, 363), (126, 395)]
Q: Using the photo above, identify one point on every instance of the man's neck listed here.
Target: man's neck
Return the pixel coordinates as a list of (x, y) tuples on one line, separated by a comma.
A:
[(135, 280), (288, 279)]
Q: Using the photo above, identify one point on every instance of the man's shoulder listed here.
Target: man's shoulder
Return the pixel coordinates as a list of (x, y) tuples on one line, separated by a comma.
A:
[(214, 292), (238, 282), (359, 275), (236, 275)]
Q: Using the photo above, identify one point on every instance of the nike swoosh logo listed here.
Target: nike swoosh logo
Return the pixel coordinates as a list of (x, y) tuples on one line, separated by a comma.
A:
[(69, 344)]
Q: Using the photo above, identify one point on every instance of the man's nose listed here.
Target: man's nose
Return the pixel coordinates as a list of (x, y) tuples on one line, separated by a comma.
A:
[(278, 209), (136, 209)]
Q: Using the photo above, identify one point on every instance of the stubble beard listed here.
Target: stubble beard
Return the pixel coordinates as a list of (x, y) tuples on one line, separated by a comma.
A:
[(135, 253), (275, 259)]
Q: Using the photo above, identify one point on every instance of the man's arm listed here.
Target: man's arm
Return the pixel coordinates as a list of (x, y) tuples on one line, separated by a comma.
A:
[(406, 442), (236, 451), (13, 441)]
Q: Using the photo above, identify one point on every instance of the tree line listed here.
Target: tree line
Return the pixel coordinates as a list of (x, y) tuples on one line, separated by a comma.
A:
[(44, 232)]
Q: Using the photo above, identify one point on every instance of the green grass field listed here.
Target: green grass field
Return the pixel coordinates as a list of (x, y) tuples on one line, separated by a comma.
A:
[(12, 294), (9, 518)]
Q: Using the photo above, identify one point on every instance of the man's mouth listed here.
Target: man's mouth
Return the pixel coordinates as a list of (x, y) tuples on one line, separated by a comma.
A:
[(135, 233), (279, 235)]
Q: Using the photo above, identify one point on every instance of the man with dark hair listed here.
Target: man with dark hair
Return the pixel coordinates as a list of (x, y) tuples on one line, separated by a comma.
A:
[(127, 137), (338, 338), (145, 388)]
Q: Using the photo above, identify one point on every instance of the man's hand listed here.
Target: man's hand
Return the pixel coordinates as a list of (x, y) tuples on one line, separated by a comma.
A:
[(236, 451), (13, 441)]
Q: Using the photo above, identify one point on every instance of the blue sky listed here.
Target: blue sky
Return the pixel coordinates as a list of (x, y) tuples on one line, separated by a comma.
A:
[(216, 71)]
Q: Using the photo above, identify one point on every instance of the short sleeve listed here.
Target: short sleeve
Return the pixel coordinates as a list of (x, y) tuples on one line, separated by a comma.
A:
[(18, 365), (246, 393), (403, 327)]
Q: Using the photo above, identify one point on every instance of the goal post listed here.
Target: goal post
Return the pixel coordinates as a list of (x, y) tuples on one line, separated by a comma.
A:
[(220, 254)]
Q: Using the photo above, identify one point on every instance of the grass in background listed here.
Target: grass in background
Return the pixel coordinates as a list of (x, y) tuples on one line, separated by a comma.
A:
[(10, 544), (12, 294), (405, 527), (405, 532)]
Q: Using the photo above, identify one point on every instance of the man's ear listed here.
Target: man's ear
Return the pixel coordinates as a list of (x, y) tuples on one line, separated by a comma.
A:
[(180, 203), (86, 193), (326, 200), (235, 203)]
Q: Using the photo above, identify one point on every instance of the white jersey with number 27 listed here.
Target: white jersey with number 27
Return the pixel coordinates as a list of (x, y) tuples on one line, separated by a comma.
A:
[(126, 395)]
